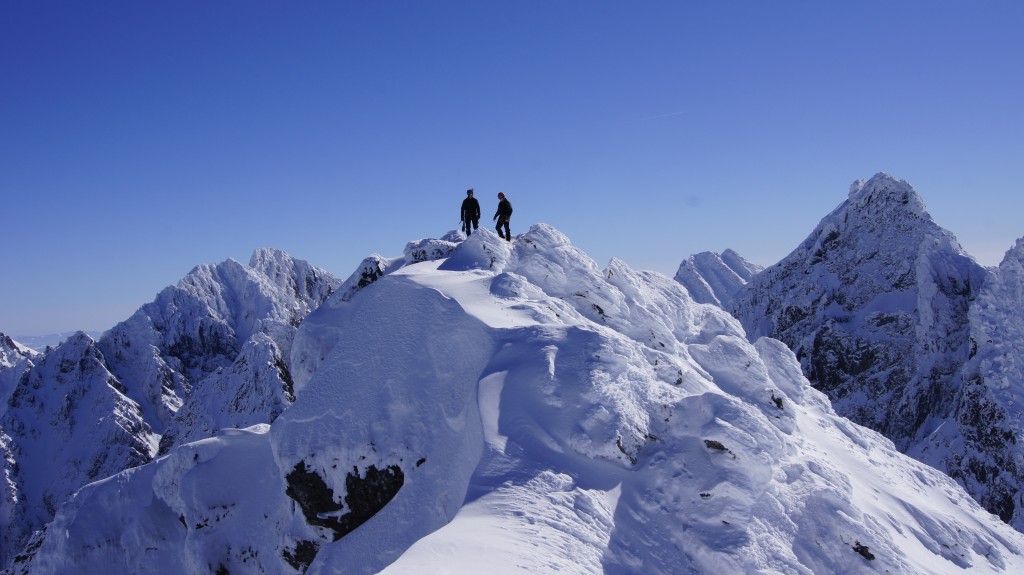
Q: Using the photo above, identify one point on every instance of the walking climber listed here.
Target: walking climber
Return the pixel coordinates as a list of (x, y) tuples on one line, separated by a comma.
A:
[(502, 216)]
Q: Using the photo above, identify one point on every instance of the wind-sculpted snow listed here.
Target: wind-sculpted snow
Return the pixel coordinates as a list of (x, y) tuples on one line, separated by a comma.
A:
[(511, 408), (370, 270)]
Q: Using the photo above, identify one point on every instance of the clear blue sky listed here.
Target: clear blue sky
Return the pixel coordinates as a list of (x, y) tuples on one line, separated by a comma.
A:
[(139, 139)]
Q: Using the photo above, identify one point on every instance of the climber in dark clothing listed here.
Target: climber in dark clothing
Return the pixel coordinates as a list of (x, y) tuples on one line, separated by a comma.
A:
[(502, 216), (470, 214)]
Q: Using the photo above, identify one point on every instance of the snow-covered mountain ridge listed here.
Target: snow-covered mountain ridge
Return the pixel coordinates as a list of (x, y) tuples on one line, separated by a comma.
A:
[(205, 354), (480, 406), (200, 326), (907, 334), (710, 277), (39, 343)]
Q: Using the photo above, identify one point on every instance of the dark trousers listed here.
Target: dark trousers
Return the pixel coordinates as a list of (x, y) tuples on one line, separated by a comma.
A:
[(503, 222), (466, 223)]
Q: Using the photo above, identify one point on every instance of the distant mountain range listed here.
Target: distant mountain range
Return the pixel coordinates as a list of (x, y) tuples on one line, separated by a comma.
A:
[(478, 406), (41, 342)]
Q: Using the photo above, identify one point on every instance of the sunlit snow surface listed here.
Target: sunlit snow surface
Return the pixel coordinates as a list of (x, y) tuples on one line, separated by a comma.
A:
[(547, 416)]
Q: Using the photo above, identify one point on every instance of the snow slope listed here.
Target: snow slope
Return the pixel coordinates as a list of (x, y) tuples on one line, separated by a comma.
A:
[(515, 409)]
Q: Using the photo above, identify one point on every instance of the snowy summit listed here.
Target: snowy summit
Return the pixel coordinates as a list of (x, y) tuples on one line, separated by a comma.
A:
[(907, 335), (484, 407)]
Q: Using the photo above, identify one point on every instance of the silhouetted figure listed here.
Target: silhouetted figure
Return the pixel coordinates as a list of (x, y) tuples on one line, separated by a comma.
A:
[(503, 215), (470, 213)]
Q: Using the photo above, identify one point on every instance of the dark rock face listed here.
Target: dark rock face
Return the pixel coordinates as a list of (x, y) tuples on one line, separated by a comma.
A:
[(364, 497), (303, 554), (989, 464)]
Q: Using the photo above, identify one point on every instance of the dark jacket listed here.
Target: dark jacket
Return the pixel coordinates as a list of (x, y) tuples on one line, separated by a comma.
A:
[(504, 209), (470, 210)]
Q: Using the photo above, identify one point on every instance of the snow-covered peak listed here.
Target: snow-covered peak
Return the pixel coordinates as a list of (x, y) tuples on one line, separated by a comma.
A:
[(510, 408), (67, 423), (207, 353), (239, 297), (879, 241), (199, 326), (713, 278), (12, 352), (990, 411), (309, 284), (15, 359), (877, 287), (888, 191), (270, 261), (907, 334)]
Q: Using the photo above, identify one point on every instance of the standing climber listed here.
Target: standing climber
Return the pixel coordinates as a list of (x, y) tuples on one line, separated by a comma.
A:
[(502, 216), (470, 213)]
